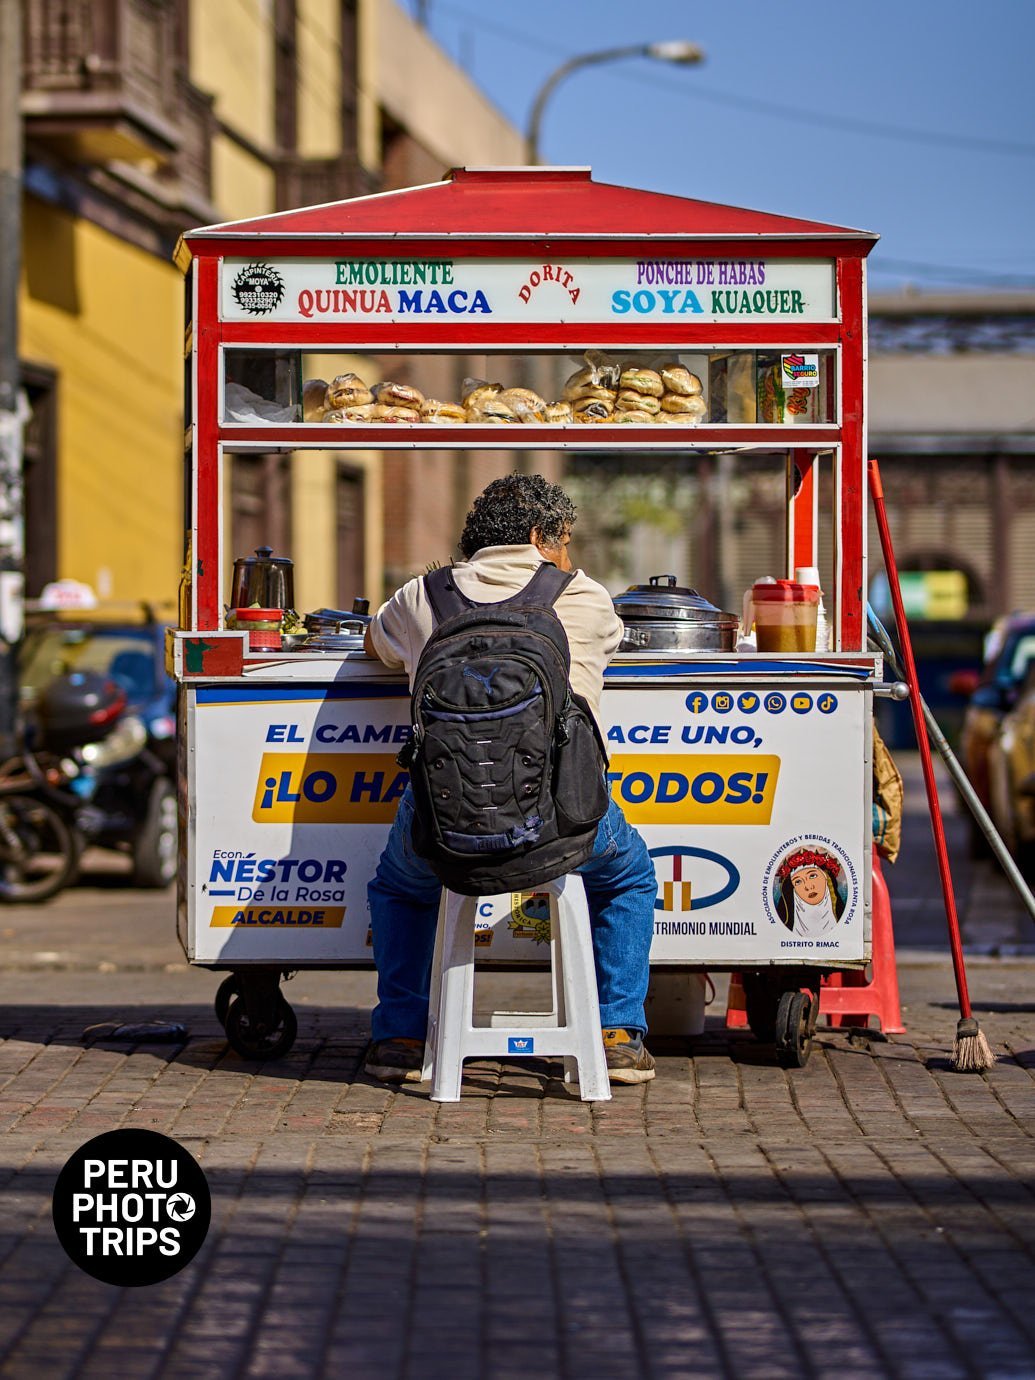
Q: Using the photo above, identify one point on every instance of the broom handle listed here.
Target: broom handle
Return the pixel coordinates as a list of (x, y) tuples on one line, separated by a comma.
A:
[(937, 828)]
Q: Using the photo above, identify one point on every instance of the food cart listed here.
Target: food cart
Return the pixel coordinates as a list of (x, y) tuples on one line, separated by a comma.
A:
[(739, 767)]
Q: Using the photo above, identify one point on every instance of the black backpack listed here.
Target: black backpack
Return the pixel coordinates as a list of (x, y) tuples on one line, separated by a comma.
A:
[(506, 761)]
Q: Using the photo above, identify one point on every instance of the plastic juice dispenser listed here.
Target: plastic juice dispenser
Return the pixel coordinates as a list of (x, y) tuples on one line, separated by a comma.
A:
[(785, 614)]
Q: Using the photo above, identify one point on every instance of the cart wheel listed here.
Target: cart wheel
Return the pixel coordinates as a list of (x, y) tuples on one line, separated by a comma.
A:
[(794, 1027), (254, 1040), (227, 990), (761, 1000)]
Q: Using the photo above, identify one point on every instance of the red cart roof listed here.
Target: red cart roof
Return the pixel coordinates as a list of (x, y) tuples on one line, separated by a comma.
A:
[(526, 203)]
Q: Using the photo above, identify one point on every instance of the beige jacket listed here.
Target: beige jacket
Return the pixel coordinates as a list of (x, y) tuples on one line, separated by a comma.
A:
[(404, 623)]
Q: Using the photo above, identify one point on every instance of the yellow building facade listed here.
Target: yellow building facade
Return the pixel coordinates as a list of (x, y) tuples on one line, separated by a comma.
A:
[(226, 111)]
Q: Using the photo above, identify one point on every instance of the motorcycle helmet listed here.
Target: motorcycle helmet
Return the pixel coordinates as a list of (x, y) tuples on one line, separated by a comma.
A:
[(77, 708)]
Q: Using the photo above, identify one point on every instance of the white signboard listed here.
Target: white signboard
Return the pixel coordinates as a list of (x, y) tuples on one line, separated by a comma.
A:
[(561, 290), (753, 801)]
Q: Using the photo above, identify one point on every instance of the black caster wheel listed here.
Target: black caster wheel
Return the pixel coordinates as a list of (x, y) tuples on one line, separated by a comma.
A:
[(794, 1026), (255, 1040), (227, 990)]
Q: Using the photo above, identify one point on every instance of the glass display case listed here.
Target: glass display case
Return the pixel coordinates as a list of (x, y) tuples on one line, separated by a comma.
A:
[(669, 387)]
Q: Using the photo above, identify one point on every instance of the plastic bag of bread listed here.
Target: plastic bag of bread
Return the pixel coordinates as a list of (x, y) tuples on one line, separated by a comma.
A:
[(526, 405), (473, 392), (441, 413), (591, 410), (348, 390), (385, 412), (493, 412), (391, 394), (677, 378), (599, 372), (363, 413), (314, 400)]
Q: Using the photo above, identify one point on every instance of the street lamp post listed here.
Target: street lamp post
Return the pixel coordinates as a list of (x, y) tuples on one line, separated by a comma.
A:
[(677, 50)]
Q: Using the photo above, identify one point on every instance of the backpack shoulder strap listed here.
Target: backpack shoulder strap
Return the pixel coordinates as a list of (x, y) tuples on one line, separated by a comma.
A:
[(544, 588), (445, 599)]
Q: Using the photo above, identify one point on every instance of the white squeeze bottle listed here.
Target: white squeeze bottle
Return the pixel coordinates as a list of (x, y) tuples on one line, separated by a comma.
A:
[(809, 575)]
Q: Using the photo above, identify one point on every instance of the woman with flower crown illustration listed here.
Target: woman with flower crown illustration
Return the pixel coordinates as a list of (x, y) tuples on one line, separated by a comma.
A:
[(808, 901)]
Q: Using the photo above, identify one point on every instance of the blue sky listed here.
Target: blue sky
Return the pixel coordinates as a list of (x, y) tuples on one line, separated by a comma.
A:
[(913, 119)]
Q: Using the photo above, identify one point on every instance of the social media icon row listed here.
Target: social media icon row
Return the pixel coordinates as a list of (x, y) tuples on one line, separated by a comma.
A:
[(750, 701)]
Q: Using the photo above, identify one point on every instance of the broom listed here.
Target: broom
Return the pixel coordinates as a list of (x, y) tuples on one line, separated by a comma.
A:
[(970, 1050)]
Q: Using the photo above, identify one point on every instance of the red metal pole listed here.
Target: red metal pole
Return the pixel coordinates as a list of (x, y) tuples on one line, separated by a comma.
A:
[(937, 827)]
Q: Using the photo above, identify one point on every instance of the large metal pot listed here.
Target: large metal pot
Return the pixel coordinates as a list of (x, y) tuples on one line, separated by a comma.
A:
[(664, 616)]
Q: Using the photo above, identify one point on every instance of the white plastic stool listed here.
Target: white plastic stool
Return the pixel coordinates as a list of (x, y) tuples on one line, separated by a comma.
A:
[(570, 1029)]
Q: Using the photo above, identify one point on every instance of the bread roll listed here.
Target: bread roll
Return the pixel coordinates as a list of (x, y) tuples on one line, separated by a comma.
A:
[(385, 412), (392, 394), (630, 401), (526, 405), (558, 412), (677, 403), (431, 410), (348, 390), (641, 417), (491, 411), (677, 378), (314, 400), (643, 381), (363, 413)]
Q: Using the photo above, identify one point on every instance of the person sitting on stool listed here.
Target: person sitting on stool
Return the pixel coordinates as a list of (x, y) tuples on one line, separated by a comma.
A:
[(516, 524)]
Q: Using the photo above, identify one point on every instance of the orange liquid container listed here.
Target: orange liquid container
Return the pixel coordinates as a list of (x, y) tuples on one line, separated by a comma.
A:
[(785, 616)]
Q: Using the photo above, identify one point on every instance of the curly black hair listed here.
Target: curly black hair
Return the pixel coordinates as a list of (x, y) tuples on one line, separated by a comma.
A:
[(508, 511)]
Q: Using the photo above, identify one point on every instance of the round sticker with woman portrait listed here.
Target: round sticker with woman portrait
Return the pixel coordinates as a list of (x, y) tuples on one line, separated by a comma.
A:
[(808, 889)]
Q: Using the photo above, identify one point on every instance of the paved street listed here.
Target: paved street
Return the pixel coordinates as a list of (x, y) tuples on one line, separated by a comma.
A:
[(872, 1214)]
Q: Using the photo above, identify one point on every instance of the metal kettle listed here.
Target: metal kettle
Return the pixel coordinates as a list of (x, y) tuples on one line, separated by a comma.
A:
[(263, 579)]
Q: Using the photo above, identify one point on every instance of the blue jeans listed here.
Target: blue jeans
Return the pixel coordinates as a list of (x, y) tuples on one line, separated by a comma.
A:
[(404, 895)]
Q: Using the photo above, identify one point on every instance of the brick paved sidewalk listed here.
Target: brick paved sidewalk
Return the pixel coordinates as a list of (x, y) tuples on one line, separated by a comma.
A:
[(870, 1215)]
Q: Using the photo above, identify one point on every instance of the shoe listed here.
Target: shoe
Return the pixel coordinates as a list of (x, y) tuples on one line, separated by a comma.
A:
[(395, 1061), (627, 1059)]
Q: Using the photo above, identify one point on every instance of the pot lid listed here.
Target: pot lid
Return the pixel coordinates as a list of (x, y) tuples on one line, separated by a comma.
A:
[(264, 556), (663, 598)]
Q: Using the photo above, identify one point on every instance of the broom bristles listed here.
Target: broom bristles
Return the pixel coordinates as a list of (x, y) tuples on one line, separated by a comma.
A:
[(971, 1052)]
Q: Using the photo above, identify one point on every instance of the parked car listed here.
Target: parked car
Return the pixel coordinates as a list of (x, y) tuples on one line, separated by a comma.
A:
[(129, 797), (993, 694), (1011, 774)]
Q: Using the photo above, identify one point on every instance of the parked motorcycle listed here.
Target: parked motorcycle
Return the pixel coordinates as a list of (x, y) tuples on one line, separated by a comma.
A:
[(87, 774)]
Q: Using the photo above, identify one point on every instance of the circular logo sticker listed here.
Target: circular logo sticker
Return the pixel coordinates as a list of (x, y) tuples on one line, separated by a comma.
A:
[(258, 289), (131, 1207), (810, 887)]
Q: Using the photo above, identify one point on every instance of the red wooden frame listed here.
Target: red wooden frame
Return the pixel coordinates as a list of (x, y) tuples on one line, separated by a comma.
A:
[(506, 219)]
